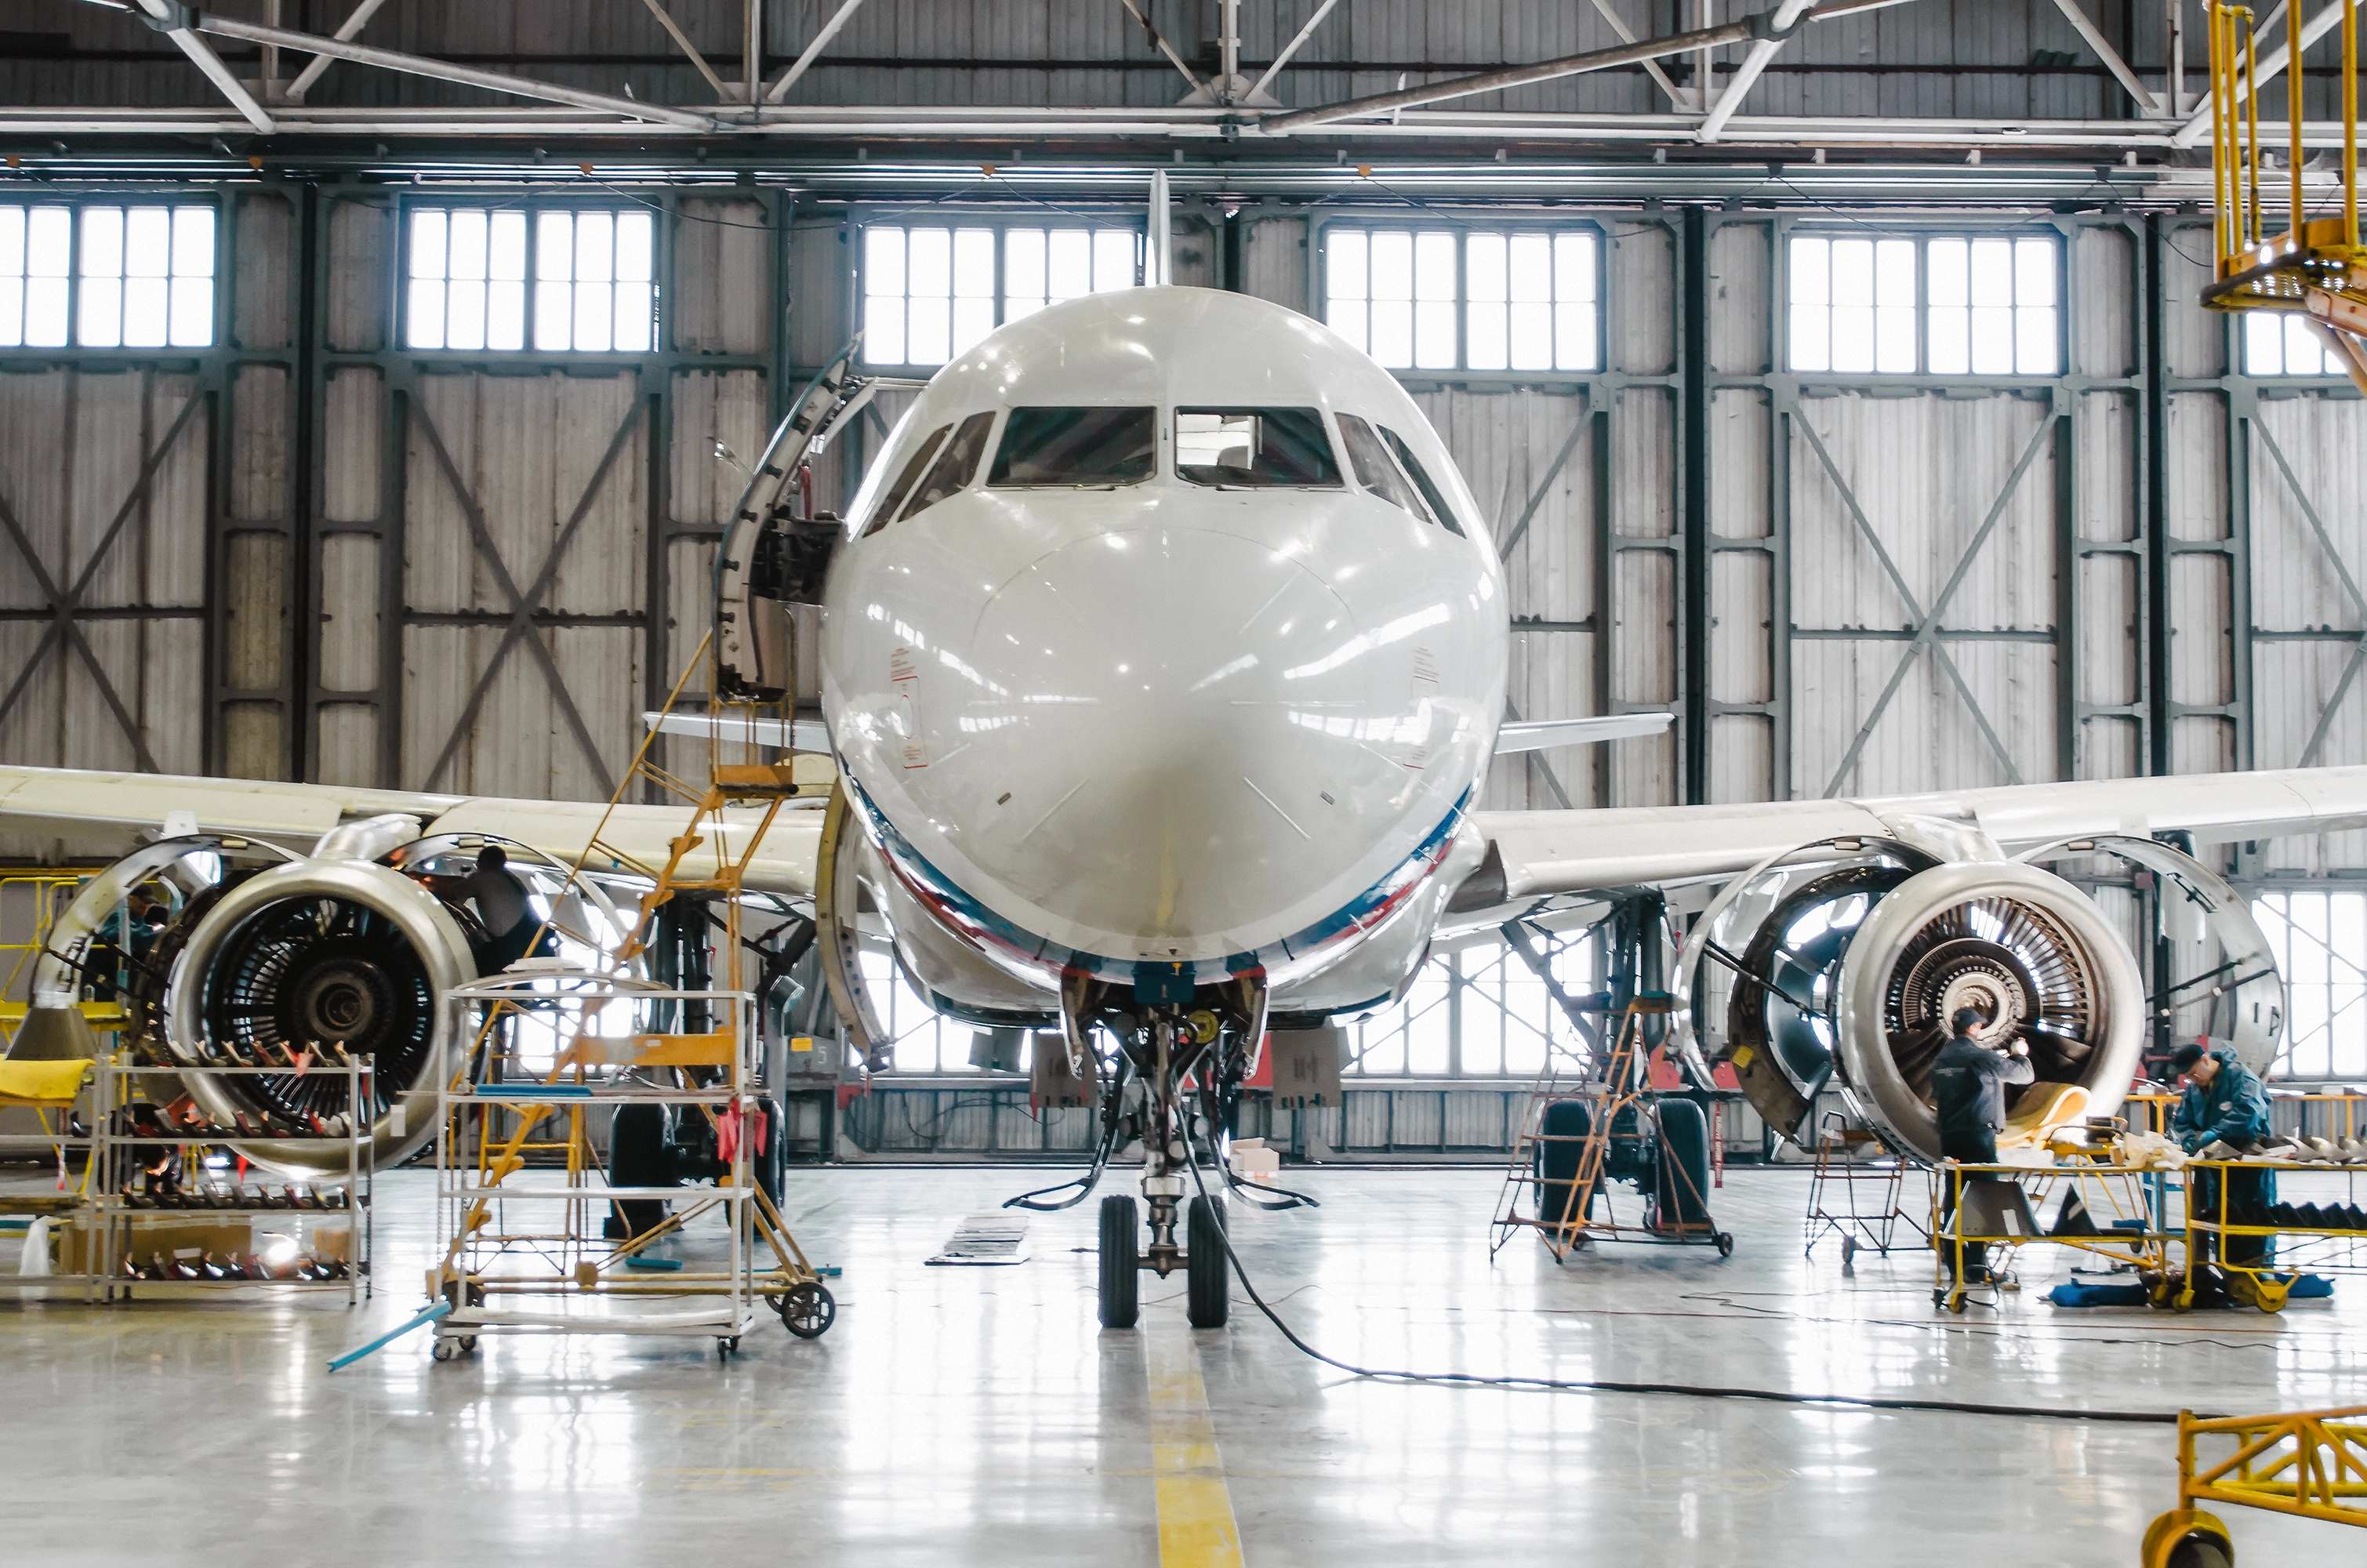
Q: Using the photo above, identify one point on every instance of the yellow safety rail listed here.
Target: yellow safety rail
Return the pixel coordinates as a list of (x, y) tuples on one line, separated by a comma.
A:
[(2316, 266), (2309, 1463)]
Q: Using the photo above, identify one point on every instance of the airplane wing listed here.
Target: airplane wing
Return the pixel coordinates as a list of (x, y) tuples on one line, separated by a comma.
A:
[(131, 808), (1540, 852), (1539, 734)]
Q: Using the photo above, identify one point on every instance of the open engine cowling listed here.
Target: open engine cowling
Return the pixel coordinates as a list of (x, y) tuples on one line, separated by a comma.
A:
[(326, 951), (1837, 964), (2020, 944)]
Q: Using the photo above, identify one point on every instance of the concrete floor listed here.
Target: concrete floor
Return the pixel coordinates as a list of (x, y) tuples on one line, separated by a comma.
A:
[(979, 1414)]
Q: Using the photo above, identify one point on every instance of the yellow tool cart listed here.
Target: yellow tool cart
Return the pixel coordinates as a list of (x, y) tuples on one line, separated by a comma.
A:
[(1997, 1207), (2330, 1247), (2312, 1463)]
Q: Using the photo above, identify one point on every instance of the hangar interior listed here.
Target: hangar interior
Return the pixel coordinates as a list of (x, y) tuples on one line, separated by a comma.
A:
[(373, 415)]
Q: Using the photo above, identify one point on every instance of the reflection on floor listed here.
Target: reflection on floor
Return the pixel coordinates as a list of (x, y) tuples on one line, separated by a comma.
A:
[(978, 1415)]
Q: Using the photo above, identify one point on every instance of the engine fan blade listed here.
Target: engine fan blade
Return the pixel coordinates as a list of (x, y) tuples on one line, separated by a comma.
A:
[(1915, 1055)]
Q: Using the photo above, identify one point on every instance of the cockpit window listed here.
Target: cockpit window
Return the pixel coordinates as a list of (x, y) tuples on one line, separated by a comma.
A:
[(1376, 470), (1254, 447), (906, 477), (1414, 471), (956, 465), (1083, 447)]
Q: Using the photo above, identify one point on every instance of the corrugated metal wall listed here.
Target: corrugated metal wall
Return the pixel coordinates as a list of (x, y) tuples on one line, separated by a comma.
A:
[(318, 577), (307, 582)]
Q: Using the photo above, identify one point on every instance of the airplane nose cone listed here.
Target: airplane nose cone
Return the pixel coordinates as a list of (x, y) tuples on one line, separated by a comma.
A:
[(1174, 726)]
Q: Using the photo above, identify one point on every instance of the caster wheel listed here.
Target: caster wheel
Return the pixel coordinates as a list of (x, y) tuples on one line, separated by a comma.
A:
[(1849, 1251), (1726, 1247), (1939, 1298), (1957, 1304), (443, 1350), (726, 1348), (1121, 1267), (468, 1342), (806, 1310), (2187, 1539)]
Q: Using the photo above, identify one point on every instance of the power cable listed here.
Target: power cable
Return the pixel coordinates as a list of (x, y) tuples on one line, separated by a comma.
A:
[(1695, 1391)]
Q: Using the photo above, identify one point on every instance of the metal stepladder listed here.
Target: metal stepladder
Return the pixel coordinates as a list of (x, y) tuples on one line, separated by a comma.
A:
[(1574, 1139), (704, 1071)]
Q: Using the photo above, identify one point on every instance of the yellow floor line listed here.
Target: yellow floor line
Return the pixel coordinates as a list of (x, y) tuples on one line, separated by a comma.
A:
[(1195, 1510)]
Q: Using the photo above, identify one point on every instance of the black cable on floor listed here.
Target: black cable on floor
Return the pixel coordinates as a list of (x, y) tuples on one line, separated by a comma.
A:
[(1695, 1391)]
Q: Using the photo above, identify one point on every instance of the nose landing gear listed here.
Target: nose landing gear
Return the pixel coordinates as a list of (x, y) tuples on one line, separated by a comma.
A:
[(1177, 1052)]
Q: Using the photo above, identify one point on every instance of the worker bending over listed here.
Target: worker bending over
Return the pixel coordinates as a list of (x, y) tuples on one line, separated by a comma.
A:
[(503, 906), (1968, 1084), (2226, 1102)]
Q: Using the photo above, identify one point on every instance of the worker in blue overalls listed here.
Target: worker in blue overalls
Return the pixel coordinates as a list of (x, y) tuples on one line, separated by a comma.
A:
[(2226, 1102)]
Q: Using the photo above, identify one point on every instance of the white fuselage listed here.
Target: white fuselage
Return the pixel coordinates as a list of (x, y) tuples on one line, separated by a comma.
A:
[(1099, 713)]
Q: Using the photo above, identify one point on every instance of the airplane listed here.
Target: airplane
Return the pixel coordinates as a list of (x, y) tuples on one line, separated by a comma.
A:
[(1162, 655)]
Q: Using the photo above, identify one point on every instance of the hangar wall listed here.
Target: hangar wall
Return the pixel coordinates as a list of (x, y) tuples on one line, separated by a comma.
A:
[(307, 552)]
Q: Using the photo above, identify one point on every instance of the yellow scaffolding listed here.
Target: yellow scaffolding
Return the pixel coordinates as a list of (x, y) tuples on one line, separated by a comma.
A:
[(2316, 266), (2312, 1463)]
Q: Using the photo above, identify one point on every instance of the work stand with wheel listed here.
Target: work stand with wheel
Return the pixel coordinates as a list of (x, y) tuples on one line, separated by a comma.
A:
[(1858, 1192), (1576, 1137), (535, 1237)]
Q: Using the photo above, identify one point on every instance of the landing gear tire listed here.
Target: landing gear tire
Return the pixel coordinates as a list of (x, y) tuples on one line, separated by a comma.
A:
[(1121, 1265), (806, 1310), (1207, 1297)]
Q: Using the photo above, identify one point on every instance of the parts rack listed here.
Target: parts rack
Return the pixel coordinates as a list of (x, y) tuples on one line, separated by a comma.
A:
[(118, 1161)]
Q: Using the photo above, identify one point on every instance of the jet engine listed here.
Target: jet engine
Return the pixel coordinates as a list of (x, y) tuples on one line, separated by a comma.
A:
[(319, 953), (1840, 964)]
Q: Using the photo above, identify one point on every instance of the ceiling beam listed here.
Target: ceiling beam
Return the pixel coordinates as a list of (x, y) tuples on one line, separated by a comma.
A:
[(1516, 76), (351, 28), (682, 41), (1164, 47), (1780, 26), (1292, 48), (804, 62), (173, 21), (2096, 40), (442, 70), (1652, 68)]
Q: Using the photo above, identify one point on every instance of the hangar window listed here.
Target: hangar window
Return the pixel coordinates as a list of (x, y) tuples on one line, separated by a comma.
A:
[(931, 293), (576, 280), (1439, 299), (106, 276), (2318, 939), (1940, 305), (2278, 343)]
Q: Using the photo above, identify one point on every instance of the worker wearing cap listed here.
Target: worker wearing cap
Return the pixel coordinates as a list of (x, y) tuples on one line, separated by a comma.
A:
[(2226, 1102), (1968, 1085)]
